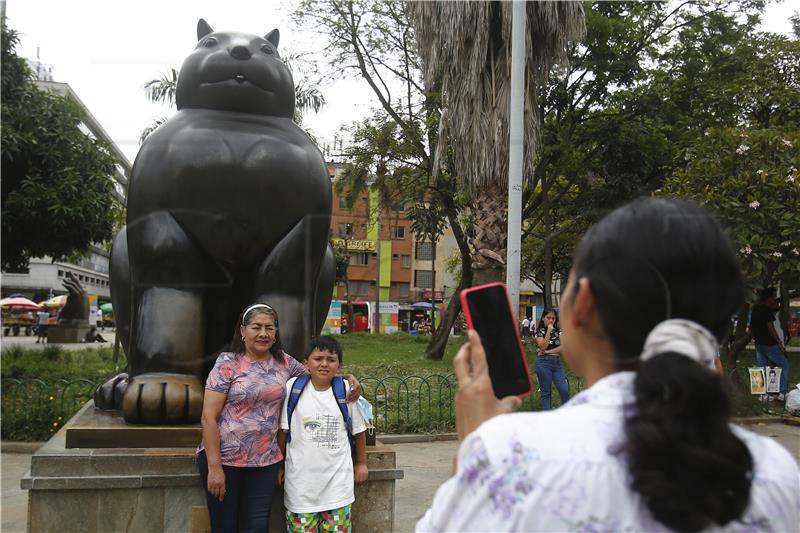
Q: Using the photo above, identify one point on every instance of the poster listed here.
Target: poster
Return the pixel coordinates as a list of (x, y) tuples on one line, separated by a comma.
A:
[(774, 379), (757, 381), (390, 313), (333, 322)]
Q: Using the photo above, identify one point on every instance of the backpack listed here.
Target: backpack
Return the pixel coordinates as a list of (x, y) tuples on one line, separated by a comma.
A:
[(339, 392)]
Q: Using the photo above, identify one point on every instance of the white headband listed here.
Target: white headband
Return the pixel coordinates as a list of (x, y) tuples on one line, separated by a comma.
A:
[(684, 337), (253, 307)]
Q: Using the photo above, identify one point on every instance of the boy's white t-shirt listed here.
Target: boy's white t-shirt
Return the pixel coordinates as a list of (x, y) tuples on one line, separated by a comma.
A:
[(319, 466)]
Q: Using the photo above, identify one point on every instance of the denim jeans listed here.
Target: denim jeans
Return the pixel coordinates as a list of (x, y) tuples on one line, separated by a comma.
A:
[(549, 371), (248, 497), (773, 354)]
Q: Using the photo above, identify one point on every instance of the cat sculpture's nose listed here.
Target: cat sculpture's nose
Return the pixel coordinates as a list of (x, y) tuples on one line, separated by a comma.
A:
[(240, 52)]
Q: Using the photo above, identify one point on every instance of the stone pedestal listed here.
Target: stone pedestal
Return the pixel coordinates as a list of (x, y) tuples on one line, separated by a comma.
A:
[(94, 489), (66, 333)]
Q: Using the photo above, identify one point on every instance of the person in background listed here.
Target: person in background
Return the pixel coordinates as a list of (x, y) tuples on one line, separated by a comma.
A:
[(769, 345), (43, 320), (548, 361), (648, 445), (526, 327)]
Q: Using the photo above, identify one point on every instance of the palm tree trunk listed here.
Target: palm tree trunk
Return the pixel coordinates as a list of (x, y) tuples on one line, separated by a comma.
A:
[(491, 221)]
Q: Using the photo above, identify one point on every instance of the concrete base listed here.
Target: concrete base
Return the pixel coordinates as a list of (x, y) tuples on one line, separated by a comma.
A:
[(67, 333), (159, 489)]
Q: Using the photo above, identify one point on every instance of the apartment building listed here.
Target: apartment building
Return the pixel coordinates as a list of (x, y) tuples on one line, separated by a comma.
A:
[(390, 256)]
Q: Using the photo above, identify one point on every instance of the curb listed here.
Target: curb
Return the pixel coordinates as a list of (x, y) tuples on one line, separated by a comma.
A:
[(752, 420), (20, 447), (411, 437)]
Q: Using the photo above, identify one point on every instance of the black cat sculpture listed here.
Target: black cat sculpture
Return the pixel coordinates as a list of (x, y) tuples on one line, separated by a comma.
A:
[(229, 204)]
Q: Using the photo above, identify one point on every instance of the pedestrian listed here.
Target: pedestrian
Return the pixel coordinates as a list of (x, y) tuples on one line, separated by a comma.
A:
[(43, 320), (648, 445), (769, 346), (320, 434), (239, 456), (526, 327), (548, 360)]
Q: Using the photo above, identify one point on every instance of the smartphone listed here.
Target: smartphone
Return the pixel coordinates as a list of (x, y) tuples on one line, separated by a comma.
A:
[(487, 310)]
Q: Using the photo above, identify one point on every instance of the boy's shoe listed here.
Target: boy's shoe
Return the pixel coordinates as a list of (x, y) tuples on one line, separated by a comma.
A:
[(781, 397), (764, 397)]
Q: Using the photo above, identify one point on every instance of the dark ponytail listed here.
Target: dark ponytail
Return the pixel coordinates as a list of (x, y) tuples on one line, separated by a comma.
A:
[(690, 469), (646, 262)]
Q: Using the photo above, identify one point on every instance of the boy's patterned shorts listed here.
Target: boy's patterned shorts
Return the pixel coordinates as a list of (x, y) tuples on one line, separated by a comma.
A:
[(333, 520)]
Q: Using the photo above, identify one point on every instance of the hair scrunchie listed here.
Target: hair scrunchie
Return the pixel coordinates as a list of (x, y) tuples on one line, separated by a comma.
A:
[(683, 337)]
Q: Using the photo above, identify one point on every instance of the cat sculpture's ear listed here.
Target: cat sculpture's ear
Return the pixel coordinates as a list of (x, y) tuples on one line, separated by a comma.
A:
[(274, 36), (203, 29)]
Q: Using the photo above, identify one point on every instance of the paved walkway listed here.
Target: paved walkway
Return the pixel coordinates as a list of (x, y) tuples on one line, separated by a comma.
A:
[(426, 466), (7, 341)]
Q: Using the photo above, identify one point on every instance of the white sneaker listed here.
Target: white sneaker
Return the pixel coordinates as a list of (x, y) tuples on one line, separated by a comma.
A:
[(764, 397), (781, 397)]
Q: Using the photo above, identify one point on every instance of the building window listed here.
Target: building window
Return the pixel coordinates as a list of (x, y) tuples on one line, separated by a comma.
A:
[(341, 203), (424, 251), (405, 261), (423, 278), (395, 257), (60, 273), (398, 232), (359, 287), (404, 289), (346, 230), (359, 259)]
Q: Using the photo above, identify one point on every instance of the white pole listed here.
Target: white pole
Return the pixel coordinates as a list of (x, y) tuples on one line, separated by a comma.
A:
[(515, 152)]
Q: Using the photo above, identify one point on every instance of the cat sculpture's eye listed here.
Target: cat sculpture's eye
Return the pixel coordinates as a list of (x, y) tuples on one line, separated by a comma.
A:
[(266, 49), (210, 42)]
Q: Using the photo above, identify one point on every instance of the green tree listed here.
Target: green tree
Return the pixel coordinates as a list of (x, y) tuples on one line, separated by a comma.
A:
[(621, 117), (466, 49), (391, 150), (57, 194)]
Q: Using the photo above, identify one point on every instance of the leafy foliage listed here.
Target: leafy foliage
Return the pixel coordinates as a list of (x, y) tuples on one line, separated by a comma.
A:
[(57, 180), (750, 180)]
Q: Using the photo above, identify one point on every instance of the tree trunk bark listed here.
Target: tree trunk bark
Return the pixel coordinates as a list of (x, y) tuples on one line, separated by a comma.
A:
[(738, 341), (436, 347), (547, 219), (490, 210), (433, 285)]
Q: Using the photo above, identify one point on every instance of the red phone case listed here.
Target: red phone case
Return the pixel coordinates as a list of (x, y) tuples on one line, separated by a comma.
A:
[(468, 317)]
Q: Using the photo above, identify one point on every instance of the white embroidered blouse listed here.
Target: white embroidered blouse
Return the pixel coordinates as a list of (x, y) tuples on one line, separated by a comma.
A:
[(562, 471)]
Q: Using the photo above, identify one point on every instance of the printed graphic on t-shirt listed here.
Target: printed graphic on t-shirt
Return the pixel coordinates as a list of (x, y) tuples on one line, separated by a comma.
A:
[(323, 430)]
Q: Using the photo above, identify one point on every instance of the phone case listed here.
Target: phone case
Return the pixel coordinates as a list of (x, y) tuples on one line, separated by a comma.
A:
[(465, 308)]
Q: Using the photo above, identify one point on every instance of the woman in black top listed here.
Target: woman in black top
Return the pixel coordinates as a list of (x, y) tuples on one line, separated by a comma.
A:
[(548, 363)]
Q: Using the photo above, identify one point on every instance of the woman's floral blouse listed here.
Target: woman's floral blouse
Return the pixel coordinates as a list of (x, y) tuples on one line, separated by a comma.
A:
[(563, 470), (249, 421)]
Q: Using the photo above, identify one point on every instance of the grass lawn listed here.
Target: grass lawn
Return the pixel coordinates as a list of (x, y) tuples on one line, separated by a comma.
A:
[(409, 393)]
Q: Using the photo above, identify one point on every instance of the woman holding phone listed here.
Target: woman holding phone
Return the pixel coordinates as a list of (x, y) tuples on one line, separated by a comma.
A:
[(648, 446), (548, 362)]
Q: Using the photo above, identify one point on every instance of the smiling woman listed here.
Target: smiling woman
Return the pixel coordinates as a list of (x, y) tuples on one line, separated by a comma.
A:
[(241, 413)]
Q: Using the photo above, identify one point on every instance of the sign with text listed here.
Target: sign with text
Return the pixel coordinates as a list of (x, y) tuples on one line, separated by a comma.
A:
[(354, 245)]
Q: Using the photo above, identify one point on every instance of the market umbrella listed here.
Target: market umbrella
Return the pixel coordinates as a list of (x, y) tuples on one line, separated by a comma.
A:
[(107, 308), (18, 302), (55, 301)]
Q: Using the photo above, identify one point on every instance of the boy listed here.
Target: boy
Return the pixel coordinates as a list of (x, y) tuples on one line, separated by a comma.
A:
[(319, 470)]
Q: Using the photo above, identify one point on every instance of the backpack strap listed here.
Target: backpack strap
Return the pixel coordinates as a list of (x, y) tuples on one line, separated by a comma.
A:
[(294, 396), (340, 392)]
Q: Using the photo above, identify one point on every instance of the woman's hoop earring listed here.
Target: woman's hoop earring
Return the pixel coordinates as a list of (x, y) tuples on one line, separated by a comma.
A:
[(242, 339)]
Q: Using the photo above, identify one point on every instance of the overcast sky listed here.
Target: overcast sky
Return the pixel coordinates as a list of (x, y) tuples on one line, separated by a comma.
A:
[(107, 50)]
